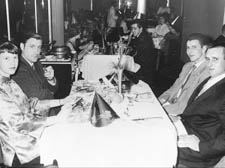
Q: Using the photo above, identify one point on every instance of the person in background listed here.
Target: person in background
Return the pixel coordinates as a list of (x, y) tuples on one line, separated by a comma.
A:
[(174, 100), (124, 26), (112, 31), (87, 49), (145, 56), (85, 38), (23, 119), (168, 36), (72, 42), (201, 127), (220, 40), (112, 17), (73, 20), (35, 80), (161, 30), (99, 34), (163, 8)]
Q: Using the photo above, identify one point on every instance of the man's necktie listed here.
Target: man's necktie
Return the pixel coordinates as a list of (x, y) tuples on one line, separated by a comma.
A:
[(185, 80), (180, 91), (204, 88), (199, 90)]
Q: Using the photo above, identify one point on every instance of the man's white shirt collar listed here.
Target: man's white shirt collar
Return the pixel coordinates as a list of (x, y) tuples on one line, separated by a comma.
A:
[(214, 80), (198, 63), (211, 82), (30, 63)]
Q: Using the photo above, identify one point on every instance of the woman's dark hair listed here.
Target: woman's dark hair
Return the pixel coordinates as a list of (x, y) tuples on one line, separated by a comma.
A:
[(166, 16), (8, 47)]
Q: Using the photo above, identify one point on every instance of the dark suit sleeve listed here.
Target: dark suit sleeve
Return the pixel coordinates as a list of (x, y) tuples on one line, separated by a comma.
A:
[(146, 58), (30, 85), (216, 146)]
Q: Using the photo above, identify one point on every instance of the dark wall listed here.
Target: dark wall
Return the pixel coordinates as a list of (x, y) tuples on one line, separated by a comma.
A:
[(204, 16), (78, 4)]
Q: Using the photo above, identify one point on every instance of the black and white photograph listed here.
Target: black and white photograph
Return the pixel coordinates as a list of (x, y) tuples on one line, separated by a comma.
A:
[(112, 83)]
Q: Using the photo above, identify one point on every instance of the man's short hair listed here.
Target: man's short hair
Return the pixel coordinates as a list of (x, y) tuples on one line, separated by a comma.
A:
[(217, 46), (139, 22), (203, 39), (29, 35), (8, 47)]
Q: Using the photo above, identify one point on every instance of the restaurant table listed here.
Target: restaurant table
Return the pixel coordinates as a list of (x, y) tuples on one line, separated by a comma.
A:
[(94, 67), (63, 73), (126, 142)]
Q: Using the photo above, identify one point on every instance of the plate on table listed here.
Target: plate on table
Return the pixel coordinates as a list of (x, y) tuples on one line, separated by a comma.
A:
[(136, 109)]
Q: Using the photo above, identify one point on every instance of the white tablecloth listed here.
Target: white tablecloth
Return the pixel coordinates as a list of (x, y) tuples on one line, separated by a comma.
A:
[(94, 67), (123, 143)]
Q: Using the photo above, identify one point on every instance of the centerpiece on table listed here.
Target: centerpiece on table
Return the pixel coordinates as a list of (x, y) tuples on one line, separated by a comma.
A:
[(119, 66)]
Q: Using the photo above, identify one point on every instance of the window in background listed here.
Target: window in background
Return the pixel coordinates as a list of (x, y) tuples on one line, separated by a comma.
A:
[(3, 23), (43, 20), (22, 19)]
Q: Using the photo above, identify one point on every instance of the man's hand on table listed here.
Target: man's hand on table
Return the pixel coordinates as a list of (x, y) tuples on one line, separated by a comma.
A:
[(189, 141), (162, 101), (174, 118)]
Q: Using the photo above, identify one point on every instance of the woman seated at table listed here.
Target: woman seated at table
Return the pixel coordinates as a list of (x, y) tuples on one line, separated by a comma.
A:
[(22, 120), (72, 42), (80, 44), (161, 30)]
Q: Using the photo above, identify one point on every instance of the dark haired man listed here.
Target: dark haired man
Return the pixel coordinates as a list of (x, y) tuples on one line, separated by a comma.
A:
[(146, 55), (193, 73), (201, 127), (31, 77)]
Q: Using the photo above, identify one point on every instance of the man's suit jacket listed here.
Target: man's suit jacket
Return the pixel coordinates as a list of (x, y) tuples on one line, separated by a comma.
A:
[(197, 76), (146, 58), (33, 83), (204, 117)]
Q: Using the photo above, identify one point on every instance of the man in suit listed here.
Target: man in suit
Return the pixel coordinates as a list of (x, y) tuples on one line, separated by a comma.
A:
[(146, 56), (201, 127), (30, 76), (174, 100)]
